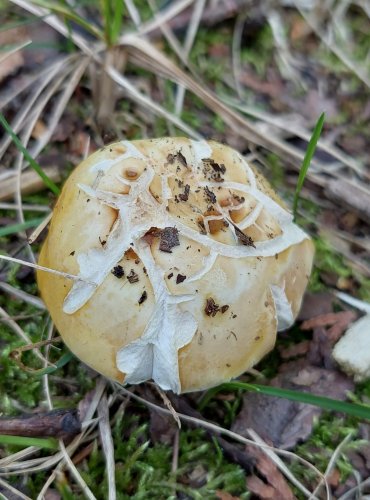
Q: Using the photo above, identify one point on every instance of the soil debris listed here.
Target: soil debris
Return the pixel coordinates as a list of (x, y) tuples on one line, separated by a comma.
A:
[(133, 277), (169, 238), (118, 271)]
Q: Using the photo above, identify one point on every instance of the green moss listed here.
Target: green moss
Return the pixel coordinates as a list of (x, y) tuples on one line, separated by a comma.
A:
[(327, 435), (260, 50)]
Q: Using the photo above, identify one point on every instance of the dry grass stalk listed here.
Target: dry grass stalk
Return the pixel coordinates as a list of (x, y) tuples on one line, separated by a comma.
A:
[(18, 494), (36, 233), (21, 295), (30, 183), (333, 459), (107, 445), (41, 268)]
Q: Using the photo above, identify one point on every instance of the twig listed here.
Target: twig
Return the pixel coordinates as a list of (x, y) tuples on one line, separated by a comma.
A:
[(333, 460), (168, 404), (73, 469), (36, 233), (56, 423)]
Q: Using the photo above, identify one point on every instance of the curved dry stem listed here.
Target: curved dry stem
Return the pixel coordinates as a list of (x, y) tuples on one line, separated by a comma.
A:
[(18, 330)]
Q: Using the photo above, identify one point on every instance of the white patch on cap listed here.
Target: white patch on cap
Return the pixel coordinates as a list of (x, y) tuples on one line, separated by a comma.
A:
[(131, 152), (201, 151), (154, 354), (283, 309), (208, 262)]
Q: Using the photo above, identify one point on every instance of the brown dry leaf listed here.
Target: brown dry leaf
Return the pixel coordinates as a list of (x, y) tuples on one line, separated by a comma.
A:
[(321, 348), (330, 319), (316, 304), (10, 64), (295, 350), (30, 182), (285, 423), (258, 487), (84, 453), (162, 428), (334, 478), (39, 129), (276, 486), (324, 338), (79, 142), (52, 494), (272, 88), (224, 495), (299, 29), (197, 477)]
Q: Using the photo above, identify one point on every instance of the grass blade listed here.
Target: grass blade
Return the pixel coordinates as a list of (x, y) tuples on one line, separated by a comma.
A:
[(353, 409), (117, 21), (311, 148), (68, 13), (49, 443), (106, 12), (63, 360), (15, 228), (48, 182)]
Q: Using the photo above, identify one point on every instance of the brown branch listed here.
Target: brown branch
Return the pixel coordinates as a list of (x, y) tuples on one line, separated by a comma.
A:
[(56, 423)]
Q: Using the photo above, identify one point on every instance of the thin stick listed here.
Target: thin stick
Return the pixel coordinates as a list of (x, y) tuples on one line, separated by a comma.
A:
[(46, 269), (168, 404), (361, 305), (333, 460), (36, 233), (31, 208), (15, 49), (175, 451), (73, 469), (189, 40), (235, 57)]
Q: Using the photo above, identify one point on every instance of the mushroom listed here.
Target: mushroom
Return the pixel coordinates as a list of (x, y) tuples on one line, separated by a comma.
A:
[(186, 263)]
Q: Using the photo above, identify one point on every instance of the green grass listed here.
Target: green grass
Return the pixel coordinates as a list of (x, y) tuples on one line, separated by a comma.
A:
[(356, 410), (36, 167), (15, 228), (20, 441), (307, 161)]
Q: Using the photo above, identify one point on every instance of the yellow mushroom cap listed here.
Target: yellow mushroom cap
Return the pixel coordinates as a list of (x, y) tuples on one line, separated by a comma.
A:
[(187, 263)]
